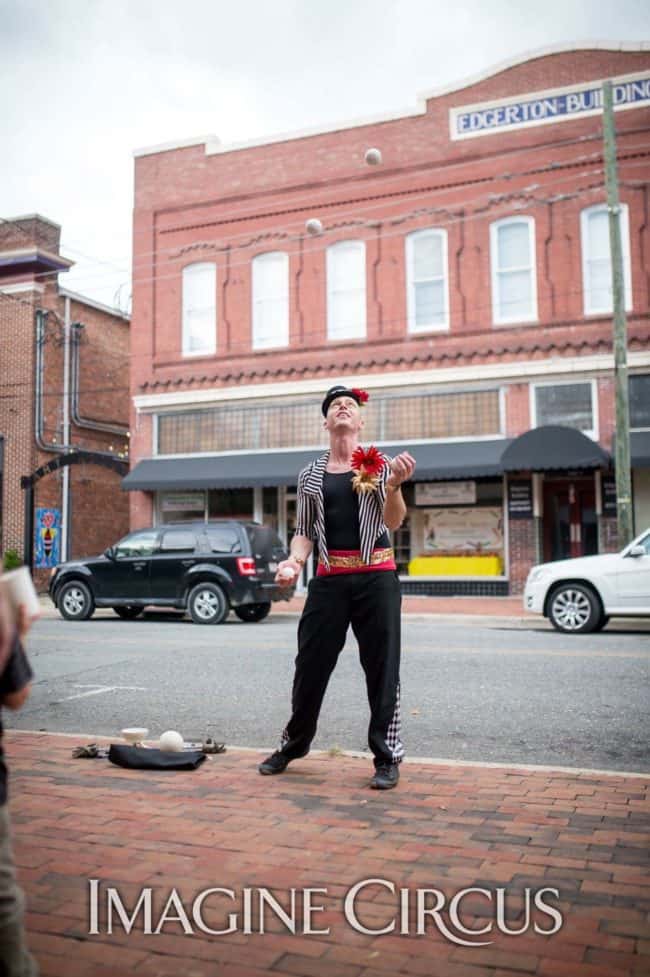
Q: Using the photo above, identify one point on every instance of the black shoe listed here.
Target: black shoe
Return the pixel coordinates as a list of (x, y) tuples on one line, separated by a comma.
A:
[(276, 763), (386, 776)]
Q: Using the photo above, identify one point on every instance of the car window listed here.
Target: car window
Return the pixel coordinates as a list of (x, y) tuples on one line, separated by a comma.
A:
[(137, 544), (645, 543), (265, 542), (178, 541), (224, 540)]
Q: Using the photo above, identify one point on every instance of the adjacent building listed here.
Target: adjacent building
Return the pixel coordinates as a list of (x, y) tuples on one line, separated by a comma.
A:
[(64, 406), (459, 273)]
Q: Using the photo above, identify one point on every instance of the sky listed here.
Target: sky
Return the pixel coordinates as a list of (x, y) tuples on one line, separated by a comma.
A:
[(83, 83)]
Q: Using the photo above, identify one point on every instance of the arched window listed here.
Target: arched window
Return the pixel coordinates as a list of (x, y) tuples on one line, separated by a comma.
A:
[(199, 309), (596, 260), (270, 300), (346, 290), (514, 279), (427, 284)]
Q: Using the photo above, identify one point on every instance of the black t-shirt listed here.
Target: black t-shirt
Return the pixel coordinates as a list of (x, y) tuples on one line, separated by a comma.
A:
[(342, 513), (14, 677)]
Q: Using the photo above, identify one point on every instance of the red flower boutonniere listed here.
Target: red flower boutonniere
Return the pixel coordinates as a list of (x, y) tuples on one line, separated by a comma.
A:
[(361, 395), (367, 465)]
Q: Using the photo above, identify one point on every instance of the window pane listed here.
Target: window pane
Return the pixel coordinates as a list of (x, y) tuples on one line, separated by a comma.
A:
[(568, 404), (429, 303), (599, 235), (513, 246), (346, 290), (270, 300), (139, 544), (515, 294), (199, 308), (599, 283), (224, 540), (639, 387), (427, 257), (178, 540)]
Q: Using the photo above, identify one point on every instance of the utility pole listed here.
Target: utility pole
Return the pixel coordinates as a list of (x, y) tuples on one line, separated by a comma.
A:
[(622, 460)]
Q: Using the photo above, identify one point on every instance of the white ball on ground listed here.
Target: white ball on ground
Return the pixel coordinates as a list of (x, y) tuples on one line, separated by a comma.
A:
[(171, 741)]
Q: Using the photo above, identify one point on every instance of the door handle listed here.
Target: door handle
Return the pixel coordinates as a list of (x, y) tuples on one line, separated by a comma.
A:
[(139, 566), (188, 563)]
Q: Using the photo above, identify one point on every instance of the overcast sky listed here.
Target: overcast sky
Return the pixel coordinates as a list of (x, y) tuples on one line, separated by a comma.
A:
[(85, 82)]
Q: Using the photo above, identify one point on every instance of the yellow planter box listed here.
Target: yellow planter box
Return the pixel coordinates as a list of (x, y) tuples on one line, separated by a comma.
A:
[(455, 566)]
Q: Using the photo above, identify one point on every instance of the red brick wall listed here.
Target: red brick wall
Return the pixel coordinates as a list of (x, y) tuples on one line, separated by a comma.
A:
[(522, 552), (99, 509)]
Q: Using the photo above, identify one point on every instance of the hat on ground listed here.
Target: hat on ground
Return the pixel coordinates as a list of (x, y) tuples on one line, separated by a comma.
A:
[(340, 391)]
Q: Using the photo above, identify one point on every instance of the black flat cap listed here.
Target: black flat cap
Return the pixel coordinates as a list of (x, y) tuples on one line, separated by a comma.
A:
[(338, 391)]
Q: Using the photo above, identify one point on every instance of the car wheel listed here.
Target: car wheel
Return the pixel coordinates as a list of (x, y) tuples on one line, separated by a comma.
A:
[(128, 613), (602, 623), (252, 612), (75, 601), (574, 609), (207, 604)]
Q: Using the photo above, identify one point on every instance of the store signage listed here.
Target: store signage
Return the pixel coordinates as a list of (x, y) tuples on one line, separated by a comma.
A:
[(520, 499), (542, 108), (445, 493), (183, 502), (609, 495), (462, 531)]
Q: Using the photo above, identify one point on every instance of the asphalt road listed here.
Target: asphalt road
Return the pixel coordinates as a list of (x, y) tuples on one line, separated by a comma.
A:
[(472, 689)]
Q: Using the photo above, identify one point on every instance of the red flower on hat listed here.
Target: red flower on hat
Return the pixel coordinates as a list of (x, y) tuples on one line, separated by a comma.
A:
[(367, 465), (361, 395)]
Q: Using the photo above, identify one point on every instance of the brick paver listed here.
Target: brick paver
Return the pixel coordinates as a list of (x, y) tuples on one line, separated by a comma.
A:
[(445, 828)]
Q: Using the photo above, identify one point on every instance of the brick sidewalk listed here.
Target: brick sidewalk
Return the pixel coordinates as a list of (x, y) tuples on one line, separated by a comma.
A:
[(446, 827)]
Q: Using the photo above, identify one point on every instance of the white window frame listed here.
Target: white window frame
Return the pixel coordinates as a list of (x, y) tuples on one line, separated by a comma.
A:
[(591, 381), (211, 347), (411, 240), (280, 337), (588, 307), (334, 332), (497, 318)]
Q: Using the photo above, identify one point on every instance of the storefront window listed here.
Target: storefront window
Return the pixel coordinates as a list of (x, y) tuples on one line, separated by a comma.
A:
[(568, 404), (456, 530), (181, 506), (230, 503), (270, 507), (639, 387)]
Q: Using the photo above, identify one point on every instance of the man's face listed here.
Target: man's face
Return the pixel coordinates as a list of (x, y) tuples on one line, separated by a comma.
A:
[(344, 414)]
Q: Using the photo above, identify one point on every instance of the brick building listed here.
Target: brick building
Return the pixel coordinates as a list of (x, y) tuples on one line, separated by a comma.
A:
[(463, 281), (63, 405)]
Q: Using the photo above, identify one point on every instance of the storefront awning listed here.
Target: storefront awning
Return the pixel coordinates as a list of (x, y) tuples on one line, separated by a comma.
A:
[(435, 462), (553, 447), (639, 449)]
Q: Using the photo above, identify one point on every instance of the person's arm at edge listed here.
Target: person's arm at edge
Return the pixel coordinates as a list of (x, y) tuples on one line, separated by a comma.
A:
[(15, 700)]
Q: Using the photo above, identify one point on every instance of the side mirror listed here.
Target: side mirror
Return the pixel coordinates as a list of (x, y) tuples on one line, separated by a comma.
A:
[(110, 552), (636, 551)]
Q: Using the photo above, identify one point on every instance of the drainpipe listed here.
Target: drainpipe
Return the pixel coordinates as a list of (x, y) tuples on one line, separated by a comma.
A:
[(85, 422), (41, 319), (65, 508)]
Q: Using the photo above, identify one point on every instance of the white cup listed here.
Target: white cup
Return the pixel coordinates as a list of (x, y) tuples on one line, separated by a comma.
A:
[(18, 588)]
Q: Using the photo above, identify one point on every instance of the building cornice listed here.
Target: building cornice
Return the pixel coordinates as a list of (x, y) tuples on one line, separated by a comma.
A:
[(513, 371), (213, 145)]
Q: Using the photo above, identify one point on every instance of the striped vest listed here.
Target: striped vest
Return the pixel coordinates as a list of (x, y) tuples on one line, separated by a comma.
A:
[(310, 517)]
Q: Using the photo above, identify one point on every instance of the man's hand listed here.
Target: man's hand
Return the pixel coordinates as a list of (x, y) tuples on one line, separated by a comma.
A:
[(401, 468), (284, 579)]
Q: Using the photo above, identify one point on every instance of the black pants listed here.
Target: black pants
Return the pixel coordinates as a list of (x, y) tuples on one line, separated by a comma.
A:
[(370, 602)]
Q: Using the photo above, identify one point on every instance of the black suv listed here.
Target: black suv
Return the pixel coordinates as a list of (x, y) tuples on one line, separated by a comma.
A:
[(204, 567)]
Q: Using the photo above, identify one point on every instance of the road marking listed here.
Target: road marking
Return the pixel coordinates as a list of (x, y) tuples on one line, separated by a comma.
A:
[(100, 690)]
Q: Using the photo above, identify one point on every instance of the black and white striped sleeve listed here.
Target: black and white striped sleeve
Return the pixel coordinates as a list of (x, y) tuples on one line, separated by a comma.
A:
[(305, 510)]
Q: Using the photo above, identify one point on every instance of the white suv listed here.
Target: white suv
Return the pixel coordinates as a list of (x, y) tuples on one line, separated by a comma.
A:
[(581, 595)]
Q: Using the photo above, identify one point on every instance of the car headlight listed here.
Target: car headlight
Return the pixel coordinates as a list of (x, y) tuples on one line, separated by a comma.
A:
[(537, 573)]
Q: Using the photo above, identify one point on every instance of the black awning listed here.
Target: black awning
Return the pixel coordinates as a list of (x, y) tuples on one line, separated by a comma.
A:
[(639, 449), (435, 462), (553, 447)]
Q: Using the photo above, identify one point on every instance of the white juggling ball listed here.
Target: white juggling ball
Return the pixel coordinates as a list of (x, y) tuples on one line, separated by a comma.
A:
[(171, 741), (313, 226)]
